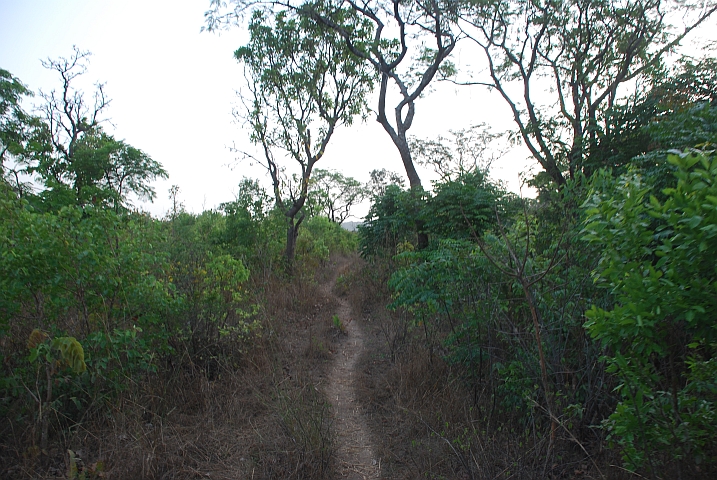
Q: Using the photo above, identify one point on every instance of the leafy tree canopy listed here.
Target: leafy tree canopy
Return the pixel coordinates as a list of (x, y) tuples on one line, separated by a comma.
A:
[(333, 194), (302, 83), (589, 53)]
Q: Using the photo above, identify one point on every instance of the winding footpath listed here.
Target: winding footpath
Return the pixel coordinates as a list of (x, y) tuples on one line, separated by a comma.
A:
[(354, 449)]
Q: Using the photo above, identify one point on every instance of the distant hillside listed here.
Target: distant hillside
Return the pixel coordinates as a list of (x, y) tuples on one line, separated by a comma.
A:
[(351, 226)]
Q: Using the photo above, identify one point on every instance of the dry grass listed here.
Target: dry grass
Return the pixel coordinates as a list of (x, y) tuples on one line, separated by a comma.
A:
[(430, 425), (257, 414), (260, 414)]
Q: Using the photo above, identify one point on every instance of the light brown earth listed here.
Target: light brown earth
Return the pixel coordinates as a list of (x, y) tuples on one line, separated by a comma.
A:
[(354, 448)]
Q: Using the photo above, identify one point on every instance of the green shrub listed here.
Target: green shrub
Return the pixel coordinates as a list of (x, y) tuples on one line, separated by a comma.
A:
[(660, 337), (390, 221)]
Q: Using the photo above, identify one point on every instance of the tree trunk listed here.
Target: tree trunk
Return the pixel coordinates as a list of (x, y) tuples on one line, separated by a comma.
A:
[(416, 186), (292, 233), (413, 179), (45, 417)]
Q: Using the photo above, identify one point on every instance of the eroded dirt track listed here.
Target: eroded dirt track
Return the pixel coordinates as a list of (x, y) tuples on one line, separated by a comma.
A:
[(355, 452)]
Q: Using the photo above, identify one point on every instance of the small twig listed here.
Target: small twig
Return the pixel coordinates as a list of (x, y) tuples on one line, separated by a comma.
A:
[(628, 471), (557, 420), (460, 457)]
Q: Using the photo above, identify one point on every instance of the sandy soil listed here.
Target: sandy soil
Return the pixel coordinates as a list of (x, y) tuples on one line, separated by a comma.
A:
[(355, 451)]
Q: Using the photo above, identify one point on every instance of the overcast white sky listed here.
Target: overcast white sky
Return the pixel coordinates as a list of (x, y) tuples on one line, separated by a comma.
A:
[(173, 88)]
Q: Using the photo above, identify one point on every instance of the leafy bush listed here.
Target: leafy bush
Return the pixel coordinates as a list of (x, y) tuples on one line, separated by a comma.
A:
[(95, 282), (660, 336), (213, 306), (331, 235), (503, 300), (463, 207), (390, 221), (253, 231), (458, 209), (80, 271)]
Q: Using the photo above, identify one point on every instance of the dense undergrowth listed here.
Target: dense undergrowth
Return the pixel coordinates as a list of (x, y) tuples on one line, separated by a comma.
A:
[(568, 336), (199, 354)]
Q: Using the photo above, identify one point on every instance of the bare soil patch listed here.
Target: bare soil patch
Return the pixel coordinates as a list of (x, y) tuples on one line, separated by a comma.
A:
[(354, 448)]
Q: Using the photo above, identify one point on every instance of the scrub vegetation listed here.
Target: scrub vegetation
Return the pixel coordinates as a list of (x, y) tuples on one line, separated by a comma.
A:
[(469, 332)]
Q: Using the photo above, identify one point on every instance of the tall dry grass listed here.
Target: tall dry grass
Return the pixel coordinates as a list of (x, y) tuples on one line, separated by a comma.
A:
[(430, 424), (258, 412)]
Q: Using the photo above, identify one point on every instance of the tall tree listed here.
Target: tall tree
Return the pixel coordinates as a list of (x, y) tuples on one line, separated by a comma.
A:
[(561, 65), (470, 149), (111, 169), (333, 194), (70, 116), (22, 135), (677, 110), (12, 116), (380, 180), (301, 79), (86, 165), (406, 42)]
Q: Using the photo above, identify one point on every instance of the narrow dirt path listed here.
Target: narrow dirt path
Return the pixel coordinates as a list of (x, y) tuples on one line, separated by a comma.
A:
[(355, 452)]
